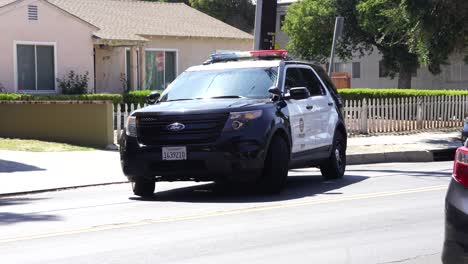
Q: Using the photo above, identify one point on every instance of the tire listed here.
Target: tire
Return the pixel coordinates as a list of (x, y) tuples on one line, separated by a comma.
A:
[(276, 167), (143, 187), (334, 167)]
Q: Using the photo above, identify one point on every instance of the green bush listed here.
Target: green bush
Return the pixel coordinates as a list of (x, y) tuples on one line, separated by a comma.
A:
[(361, 93), (74, 83), (137, 97), (115, 98)]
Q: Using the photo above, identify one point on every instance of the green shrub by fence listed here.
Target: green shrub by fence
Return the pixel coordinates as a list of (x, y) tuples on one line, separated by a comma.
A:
[(361, 93), (115, 98), (137, 97)]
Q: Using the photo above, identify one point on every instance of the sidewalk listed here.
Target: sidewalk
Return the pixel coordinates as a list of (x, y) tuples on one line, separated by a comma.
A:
[(23, 172)]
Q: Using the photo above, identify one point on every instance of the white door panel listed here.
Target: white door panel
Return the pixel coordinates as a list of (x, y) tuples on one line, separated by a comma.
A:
[(298, 130)]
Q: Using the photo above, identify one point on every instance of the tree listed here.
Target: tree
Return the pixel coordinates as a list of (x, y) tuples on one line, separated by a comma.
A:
[(238, 13), (440, 29), (394, 27)]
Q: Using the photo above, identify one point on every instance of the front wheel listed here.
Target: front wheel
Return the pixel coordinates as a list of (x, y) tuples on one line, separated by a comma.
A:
[(334, 167), (143, 187), (276, 167)]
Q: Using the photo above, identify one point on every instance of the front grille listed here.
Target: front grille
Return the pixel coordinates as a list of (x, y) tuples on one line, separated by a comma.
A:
[(153, 130)]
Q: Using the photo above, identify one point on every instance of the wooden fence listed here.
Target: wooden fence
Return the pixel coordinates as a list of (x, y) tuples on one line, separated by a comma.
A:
[(373, 116)]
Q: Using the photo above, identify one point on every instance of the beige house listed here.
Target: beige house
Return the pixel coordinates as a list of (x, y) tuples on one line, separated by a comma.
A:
[(120, 43)]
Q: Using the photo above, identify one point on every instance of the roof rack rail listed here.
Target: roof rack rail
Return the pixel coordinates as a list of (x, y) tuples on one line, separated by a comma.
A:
[(248, 55)]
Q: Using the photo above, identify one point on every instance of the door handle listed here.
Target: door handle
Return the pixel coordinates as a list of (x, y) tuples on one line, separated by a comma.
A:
[(330, 104), (309, 107)]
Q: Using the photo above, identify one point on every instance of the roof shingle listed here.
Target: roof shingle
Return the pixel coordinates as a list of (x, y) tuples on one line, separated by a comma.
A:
[(133, 19)]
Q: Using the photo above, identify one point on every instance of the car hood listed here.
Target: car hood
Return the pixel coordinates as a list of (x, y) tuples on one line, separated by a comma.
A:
[(206, 105)]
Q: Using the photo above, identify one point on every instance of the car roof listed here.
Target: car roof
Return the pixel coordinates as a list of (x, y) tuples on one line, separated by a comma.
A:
[(237, 65)]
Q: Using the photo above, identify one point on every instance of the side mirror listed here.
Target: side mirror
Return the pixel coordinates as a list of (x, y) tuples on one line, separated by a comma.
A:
[(276, 92), (299, 93), (152, 97)]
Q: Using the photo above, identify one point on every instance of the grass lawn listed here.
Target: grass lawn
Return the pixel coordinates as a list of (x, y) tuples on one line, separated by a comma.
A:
[(37, 145)]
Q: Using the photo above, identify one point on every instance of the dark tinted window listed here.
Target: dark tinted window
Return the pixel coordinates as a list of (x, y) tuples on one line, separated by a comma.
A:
[(311, 82), (330, 86), (293, 79)]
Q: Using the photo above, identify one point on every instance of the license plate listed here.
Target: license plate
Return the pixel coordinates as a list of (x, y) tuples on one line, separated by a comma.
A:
[(174, 153)]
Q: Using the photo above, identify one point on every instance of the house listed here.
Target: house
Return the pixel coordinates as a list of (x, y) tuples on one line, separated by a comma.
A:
[(120, 43), (368, 71)]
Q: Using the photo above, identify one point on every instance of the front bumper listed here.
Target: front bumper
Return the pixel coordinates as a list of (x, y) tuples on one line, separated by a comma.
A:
[(240, 161), (455, 249)]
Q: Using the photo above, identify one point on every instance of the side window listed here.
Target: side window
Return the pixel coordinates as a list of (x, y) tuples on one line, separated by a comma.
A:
[(312, 83), (293, 79)]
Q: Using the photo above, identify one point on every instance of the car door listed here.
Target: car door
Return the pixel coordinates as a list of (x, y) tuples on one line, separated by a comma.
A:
[(298, 113), (322, 108)]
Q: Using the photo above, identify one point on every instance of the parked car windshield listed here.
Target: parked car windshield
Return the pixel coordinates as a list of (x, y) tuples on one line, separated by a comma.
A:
[(228, 83)]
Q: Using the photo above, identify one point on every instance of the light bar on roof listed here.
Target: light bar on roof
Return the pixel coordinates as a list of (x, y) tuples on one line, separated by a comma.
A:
[(233, 56)]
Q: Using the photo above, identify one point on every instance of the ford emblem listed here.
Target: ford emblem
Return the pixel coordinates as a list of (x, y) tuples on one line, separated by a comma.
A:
[(176, 127)]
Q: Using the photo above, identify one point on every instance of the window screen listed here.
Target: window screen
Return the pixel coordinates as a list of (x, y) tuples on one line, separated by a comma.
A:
[(45, 68), (356, 70), (35, 67), (26, 59)]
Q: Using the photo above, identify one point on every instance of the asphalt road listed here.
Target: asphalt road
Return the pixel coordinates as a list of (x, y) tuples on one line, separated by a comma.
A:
[(382, 213)]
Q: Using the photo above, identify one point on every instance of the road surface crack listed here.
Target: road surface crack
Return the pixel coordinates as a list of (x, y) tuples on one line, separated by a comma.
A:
[(408, 259)]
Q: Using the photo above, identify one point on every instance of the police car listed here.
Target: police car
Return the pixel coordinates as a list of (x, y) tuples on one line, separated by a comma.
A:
[(244, 117)]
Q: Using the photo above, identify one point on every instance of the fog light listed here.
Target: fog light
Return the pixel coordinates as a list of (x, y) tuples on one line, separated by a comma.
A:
[(236, 125)]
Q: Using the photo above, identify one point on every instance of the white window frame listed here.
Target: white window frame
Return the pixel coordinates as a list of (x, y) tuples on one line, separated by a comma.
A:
[(15, 65), (176, 62)]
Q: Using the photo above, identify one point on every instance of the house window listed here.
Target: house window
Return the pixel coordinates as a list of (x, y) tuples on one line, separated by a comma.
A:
[(35, 67), (282, 18), (128, 70), (383, 72), (356, 70), (161, 68)]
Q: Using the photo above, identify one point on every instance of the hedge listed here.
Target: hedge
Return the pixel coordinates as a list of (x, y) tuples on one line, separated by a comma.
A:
[(115, 98), (137, 97), (361, 93)]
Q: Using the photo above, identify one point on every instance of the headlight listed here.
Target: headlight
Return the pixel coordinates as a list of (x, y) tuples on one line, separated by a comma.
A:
[(238, 120), (130, 128)]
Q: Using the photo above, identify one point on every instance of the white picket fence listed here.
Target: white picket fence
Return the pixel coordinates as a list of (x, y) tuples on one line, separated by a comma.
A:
[(373, 116)]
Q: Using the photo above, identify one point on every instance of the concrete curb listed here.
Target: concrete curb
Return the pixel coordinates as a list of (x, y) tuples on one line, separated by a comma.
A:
[(61, 189), (402, 156)]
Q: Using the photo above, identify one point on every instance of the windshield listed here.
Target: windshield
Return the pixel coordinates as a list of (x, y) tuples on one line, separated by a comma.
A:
[(229, 83)]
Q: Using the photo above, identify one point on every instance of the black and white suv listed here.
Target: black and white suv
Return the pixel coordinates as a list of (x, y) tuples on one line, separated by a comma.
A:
[(239, 117)]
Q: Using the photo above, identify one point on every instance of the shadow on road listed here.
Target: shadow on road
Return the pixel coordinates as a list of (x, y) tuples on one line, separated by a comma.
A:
[(6, 201), (14, 218), (12, 166), (296, 187), (8, 218)]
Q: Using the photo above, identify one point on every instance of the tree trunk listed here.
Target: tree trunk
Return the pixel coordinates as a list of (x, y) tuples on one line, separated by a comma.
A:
[(404, 78)]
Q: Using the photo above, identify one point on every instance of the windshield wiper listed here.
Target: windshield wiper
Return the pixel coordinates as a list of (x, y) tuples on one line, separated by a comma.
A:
[(227, 96), (183, 99)]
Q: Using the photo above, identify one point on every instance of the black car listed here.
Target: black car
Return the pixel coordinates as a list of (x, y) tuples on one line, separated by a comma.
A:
[(456, 212), (240, 117)]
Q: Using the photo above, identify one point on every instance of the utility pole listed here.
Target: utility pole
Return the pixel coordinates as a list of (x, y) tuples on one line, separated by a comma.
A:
[(336, 35), (265, 25)]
